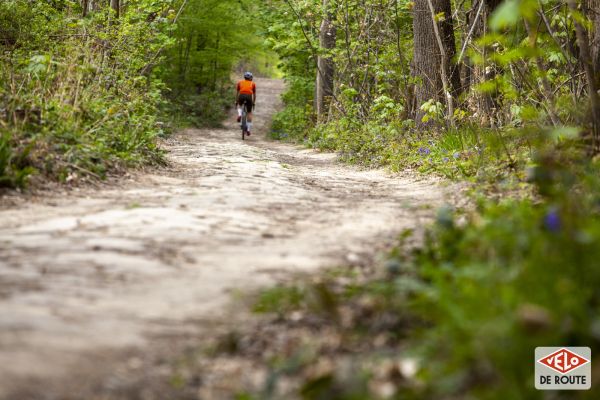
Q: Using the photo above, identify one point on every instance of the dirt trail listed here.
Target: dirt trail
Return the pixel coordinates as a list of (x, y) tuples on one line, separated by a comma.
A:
[(85, 275)]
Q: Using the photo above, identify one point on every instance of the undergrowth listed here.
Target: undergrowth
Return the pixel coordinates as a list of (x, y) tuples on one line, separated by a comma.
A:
[(72, 99), (86, 93)]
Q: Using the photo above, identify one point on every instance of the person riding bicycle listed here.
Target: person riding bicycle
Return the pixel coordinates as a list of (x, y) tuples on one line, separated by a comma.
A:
[(246, 97)]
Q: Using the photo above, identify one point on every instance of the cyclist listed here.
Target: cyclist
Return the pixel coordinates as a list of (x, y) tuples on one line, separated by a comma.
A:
[(246, 97)]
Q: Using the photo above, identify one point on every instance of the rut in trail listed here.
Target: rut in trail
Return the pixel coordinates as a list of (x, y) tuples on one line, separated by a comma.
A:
[(88, 274)]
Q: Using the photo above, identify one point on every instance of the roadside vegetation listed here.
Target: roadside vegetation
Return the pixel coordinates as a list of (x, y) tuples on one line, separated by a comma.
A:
[(87, 87)]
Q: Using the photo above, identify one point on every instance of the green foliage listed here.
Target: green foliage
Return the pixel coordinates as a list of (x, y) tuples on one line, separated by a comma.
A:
[(72, 87), (212, 39), (284, 33), (87, 95), (294, 122), (279, 300), (13, 172), (516, 78), (204, 109), (514, 276), (510, 12)]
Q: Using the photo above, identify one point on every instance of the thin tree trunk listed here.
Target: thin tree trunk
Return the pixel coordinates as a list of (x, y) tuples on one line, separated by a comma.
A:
[(443, 65), (428, 57), (592, 11), (184, 55), (485, 103), (115, 5), (586, 59), (325, 64)]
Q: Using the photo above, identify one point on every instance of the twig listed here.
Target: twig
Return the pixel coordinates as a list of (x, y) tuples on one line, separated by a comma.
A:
[(471, 31), (84, 170)]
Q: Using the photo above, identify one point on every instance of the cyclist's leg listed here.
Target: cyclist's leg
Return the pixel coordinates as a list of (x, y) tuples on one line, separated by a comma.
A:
[(238, 106), (241, 104), (248, 106)]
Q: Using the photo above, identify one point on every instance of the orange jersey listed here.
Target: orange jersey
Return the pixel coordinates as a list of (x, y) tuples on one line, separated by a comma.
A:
[(246, 87)]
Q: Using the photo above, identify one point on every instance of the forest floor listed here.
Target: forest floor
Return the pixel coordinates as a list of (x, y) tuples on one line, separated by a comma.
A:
[(95, 283)]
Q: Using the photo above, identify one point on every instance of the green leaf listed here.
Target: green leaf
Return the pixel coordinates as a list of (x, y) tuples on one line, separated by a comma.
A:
[(507, 15), (564, 132)]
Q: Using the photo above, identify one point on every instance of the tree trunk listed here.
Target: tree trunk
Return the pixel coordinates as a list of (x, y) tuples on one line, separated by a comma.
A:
[(91, 5), (114, 4), (325, 63), (427, 60), (445, 62), (585, 57), (592, 11), (484, 103)]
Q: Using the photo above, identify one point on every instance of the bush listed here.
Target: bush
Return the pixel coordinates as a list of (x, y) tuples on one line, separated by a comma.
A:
[(13, 171), (516, 275), (207, 109), (295, 121)]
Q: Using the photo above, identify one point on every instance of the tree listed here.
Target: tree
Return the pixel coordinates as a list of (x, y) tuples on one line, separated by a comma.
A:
[(477, 20), (592, 11), (325, 63), (431, 59), (585, 57), (114, 4)]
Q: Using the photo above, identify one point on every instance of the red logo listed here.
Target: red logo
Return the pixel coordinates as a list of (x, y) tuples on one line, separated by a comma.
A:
[(563, 361)]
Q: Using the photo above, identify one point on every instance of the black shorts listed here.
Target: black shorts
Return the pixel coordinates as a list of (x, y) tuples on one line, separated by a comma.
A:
[(246, 100)]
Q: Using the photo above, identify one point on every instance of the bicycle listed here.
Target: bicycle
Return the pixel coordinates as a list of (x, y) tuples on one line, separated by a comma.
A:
[(244, 122)]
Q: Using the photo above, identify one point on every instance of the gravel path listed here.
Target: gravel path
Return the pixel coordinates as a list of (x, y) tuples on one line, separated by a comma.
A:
[(85, 276)]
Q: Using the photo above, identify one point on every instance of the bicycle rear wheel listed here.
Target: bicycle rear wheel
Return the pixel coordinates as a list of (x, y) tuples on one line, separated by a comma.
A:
[(244, 124)]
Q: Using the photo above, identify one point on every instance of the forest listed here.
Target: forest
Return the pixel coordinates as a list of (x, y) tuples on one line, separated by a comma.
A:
[(499, 98)]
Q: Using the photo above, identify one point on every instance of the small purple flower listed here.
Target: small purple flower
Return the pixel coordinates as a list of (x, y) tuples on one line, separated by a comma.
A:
[(552, 220), (456, 155), (424, 151), (445, 159)]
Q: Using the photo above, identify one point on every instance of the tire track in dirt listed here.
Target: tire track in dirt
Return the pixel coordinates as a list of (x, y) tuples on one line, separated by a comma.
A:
[(85, 275)]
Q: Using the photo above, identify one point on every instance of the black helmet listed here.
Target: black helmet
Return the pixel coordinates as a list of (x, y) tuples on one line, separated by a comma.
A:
[(248, 75)]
